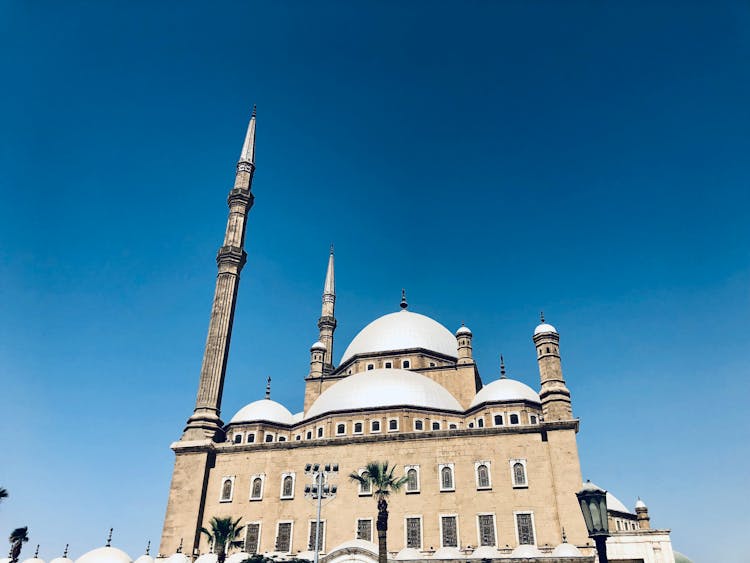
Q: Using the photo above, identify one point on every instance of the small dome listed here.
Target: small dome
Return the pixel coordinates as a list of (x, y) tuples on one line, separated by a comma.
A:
[(33, 560), (207, 558), (613, 503), (383, 388), (263, 409), (544, 328), (526, 551), (485, 552), (104, 555), (680, 558), (144, 559), (356, 544), (55, 560), (447, 553), (4, 559), (505, 390), (178, 558), (318, 346), (640, 504), (463, 330), (238, 557), (566, 550), (402, 331), (408, 554)]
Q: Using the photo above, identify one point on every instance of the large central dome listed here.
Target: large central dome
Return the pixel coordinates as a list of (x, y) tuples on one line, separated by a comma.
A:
[(402, 331)]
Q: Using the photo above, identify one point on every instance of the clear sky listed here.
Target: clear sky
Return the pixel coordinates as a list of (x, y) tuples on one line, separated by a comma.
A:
[(494, 158)]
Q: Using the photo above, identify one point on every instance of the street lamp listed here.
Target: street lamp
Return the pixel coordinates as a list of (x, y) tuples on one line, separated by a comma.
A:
[(593, 501), (319, 490)]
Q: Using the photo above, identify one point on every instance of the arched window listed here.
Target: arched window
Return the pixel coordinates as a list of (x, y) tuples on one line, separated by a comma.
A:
[(483, 477), (320, 432), (436, 426), (226, 490), (288, 487), (358, 428), (340, 429), (412, 481), (480, 423), (406, 364), (364, 488), (257, 489), (418, 425), (498, 420), (309, 435), (453, 426), (251, 438), (519, 474), (446, 478), (514, 419), (237, 438), (375, 426), (393, 424)]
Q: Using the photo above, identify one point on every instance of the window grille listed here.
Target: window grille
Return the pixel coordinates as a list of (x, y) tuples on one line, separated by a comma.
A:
[(284, 537), (413, 533), (412, 481), (525, 529), (450, 531), (311, 542), (487, 530), (364, 529), (446, 478), (257, 488), (519, 474), (288, 489), (252, 537), (483, 477)]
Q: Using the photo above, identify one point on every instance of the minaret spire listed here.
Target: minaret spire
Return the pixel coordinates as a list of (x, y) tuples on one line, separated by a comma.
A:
[(327, 320), (205, 423), (502, 367), (268, 387)]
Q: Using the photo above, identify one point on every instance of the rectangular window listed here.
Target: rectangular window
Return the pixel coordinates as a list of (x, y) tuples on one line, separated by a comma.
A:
[(375, 426), (514, 418), (364, 529), (393, 424), (311, 541), (498, 420), (449, 528), (252, 537), (388, 365), (284, 537), (358, 428), (487, 530), (414, 532), (525, 527)]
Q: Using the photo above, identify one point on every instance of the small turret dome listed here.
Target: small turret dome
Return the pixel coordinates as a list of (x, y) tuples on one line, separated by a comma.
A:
[(263, 410), (318, 346), (566, 549), (640, 504), (464, 330), (505, 390), (378, 388), (402, 331), (544, 328), (104, 555)]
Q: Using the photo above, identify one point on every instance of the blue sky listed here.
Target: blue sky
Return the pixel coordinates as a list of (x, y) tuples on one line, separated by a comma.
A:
[(585, 158)]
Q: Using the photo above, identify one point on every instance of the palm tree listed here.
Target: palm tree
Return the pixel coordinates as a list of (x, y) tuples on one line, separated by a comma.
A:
[(224, 533), (17, 538), (380, 479)]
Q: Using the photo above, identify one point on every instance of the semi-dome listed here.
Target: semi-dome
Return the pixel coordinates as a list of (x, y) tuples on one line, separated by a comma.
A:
[(104, 555), (447, 553), (526, 551), (364, 545), (143, 559), (408, 554), (263, 409), (383, 388), (178, 558), (401, 331), (206, 558), (33, 560), (485, 552), (543, 328), (566, 549), (56, 560), (505, 389)]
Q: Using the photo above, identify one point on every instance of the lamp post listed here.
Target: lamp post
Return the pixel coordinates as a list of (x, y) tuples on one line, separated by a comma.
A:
[(593, 501), (319, 490)]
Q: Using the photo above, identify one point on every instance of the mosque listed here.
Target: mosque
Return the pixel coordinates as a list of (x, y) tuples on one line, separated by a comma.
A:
[(491, 464)]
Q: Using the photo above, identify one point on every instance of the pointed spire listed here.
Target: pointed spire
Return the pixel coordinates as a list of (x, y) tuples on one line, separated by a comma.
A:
[(109, 538), (502, 367), (404, 304), (541, 316), (36, 552), (65, 551), (248, 147), (179, 547), (148, 547), (329, 288), (268, 387)]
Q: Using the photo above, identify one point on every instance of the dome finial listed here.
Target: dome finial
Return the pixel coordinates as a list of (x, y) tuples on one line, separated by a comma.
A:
[(255, 111), (502, 367), (36, 552), (404, 304), (331, 248), (148, 547), (109, 538), (211, 546), (268, 387), (541, 316), (65, 551), (179, 547), (564, 537)]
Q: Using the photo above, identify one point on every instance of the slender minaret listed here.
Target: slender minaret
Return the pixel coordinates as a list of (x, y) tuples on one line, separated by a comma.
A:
[(206, 422), (463, 337), (327, 320), (554, 394)]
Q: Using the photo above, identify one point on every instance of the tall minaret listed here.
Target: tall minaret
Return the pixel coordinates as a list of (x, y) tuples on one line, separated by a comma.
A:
[(327, 320), (206, 421), (554, 394)]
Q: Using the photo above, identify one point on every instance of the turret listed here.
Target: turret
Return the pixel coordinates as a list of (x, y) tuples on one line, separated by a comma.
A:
[(554, 394), (317, 357), (641, 512), (463, 338), (327, 320)]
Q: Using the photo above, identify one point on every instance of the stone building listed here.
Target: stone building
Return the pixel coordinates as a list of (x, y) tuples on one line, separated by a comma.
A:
[(492, 464)]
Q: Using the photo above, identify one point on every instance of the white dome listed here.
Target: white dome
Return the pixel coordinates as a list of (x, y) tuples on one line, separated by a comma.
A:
[(526, 551), (566, 550), (544, 327), (206, 558), (505, 390), (640, 504), (383, 388), (463, 330), (447, 553), (264, 409), (55, 560), (33, 560), (402, 331), (485, 552), (178, 558), (408, 554), (613, 503), (298, 417), (238, 557), (357, 544), (104, 555), (144, 559), (318, 346)]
